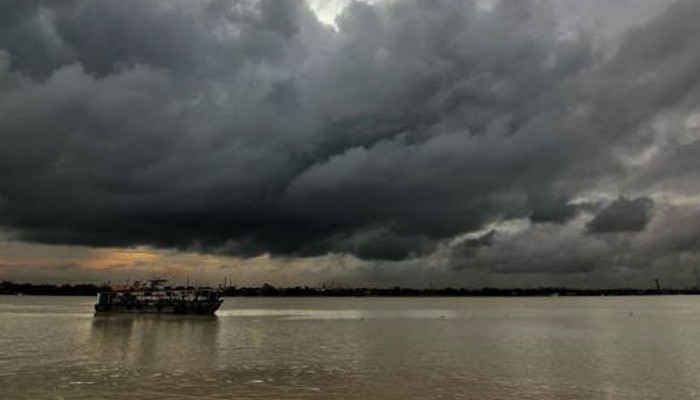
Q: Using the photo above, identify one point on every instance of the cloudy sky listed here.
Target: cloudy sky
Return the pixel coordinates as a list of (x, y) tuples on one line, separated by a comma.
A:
[(408, 142)]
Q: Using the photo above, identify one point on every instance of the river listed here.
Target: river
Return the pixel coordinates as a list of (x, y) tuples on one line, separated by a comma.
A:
[(356, 348)]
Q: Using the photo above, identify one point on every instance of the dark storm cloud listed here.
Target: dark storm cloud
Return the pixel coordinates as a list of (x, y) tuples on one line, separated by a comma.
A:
[(623, 215), (550, 248), (552, 210), (246, 127), (469, 247)]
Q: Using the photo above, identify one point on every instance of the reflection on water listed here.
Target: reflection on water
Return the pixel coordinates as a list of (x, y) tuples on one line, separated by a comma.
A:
[(155, 341), (369, 348)]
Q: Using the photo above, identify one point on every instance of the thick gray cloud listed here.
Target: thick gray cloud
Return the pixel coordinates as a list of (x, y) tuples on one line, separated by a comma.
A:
[(623, 215), (249, 127)]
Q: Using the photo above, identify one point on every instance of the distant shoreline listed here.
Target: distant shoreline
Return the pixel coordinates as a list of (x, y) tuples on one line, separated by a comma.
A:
[(266, 290)]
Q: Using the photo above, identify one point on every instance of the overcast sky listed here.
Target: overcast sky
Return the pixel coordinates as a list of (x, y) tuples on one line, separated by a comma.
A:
[(409, 142)]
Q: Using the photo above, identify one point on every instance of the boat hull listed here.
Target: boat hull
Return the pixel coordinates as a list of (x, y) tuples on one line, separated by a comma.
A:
[(184, 308)]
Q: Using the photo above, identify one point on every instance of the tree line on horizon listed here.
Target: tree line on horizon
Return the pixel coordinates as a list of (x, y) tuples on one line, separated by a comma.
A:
[(12, 288)]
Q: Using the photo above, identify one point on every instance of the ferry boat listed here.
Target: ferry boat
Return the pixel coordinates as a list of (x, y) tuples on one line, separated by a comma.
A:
[(154, 296)]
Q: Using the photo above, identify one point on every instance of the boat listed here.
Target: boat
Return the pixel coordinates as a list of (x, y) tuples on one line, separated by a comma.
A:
[(154, 296)]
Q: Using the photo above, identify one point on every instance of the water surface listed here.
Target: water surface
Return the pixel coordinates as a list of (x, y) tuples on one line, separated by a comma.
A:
[(356, 348)]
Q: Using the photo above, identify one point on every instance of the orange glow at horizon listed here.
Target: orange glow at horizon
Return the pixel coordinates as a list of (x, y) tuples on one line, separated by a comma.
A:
[(24, 261), (102, 259), (27, 255)]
